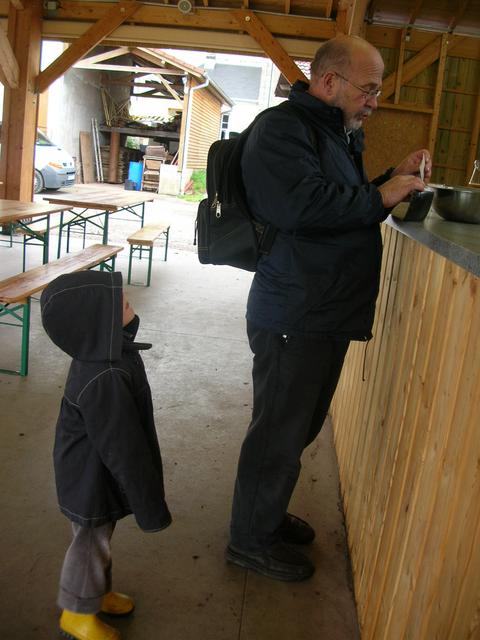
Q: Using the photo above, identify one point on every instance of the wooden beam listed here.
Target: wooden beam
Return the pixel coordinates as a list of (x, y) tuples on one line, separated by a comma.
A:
[(372, 7), (401, 59), (112, 19), (20, 105), (415, 65), (455, 19), (350, 17), (9, 70), (126, 67), (113, 156), (107, 55), (254, 27), (387, 37), (170, 90), (438, 94), (473, 146), (415, 10), (202, 18)]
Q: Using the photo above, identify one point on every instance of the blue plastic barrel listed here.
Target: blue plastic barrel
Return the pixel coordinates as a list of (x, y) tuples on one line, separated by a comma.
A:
[(135, 174)]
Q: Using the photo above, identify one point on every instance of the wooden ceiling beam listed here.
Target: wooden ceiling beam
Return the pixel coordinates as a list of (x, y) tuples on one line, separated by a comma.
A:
[(125, 67), (202, 18), (169, 88), (249, 22), (427, 56), (112, 19), (351, 15), (161, 59), (415, 10), (455, 19), (9, 69), (107, 55)]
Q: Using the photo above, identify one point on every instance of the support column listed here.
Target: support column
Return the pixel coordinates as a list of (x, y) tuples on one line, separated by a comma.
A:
[(113, 158), (20, 105)]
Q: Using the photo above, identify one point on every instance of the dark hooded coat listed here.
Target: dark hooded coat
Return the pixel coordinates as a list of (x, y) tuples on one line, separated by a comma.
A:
[(106, 454), (305, 177)]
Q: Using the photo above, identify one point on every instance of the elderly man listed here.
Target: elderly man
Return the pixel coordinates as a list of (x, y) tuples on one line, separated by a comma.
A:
[(315, 291)]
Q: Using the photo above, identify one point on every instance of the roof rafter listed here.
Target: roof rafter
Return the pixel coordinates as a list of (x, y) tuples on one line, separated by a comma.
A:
[(455, 19), (415, 65), (351, 17), (107, 55), (113, 18), (254, 27), (9, 69)]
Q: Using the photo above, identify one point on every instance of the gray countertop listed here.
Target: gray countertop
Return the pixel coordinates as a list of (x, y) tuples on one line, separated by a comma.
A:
[(458, 242)]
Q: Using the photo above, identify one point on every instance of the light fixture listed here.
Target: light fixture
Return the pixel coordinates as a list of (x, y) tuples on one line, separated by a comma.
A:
[(184, 6)]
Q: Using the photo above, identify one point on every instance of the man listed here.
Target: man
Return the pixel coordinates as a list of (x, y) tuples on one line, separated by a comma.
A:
[(315, 291)]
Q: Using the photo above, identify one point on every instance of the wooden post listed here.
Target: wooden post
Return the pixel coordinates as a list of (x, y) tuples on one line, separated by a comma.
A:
[(113, 159), (401, 58), (438, 94), (20, 105), (472, 151)]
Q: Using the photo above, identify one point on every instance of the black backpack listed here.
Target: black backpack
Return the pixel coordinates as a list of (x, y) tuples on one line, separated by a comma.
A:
[(227, 232)]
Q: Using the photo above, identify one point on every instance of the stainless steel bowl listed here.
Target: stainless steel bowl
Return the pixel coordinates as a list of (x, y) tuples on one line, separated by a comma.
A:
[(458, 204)]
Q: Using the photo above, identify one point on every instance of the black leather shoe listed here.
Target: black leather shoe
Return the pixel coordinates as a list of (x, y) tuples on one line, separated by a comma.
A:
[(294, 530), (278, 561)]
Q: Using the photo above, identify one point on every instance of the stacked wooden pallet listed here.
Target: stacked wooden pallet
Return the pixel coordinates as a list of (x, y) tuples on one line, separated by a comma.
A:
[(155, 156), (125, 156)]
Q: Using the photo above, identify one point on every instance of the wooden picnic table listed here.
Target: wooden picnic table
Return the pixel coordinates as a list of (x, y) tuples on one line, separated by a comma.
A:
[(106, 200), (23, 213), (17, 210)]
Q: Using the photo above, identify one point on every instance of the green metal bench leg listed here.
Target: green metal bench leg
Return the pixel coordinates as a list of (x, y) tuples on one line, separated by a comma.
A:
[(25, 338), (149, 274), (167, 233), (130, 265), (20, 312)]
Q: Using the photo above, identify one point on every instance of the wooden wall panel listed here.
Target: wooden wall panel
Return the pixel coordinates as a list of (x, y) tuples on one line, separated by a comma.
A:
[(408, 451), (391, 135), (204, 128)]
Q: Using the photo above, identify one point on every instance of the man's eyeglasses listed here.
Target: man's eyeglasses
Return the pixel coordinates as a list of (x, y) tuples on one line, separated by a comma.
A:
[(367, 94)]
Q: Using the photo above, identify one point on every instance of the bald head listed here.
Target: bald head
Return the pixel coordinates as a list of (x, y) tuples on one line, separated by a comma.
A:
[(347, 73), (340, 53)]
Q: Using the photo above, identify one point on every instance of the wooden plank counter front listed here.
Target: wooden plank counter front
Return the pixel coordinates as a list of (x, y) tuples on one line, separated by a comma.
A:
[(408, 446)]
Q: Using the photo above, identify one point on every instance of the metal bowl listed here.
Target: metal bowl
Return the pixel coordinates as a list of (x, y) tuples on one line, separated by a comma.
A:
[(458, 204)]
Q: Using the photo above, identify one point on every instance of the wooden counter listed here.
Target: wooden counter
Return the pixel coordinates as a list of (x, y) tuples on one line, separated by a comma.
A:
[(408, 440)]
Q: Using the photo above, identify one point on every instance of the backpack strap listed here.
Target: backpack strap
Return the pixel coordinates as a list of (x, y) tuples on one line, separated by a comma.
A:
[(266, 232)]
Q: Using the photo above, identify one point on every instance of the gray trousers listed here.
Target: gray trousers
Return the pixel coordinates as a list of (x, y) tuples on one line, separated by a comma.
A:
[(87, 569)]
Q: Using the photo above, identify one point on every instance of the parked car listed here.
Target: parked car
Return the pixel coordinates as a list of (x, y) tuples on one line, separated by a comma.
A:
[(54, 167)]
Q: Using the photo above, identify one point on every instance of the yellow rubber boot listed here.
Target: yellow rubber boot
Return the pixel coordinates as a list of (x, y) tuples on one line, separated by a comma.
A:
[(117, 604), (86, 626)]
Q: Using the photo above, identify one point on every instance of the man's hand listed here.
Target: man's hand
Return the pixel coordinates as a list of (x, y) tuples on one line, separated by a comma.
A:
[(411, 165), (398, 188)]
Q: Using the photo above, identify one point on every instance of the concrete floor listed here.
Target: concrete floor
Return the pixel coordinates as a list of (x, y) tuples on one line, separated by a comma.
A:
[(199, 370)]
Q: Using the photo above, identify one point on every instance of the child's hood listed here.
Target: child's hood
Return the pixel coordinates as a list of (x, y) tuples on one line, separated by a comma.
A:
[(83, 313)]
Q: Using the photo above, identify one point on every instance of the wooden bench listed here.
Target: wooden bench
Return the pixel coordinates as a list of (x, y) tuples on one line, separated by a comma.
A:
[(15, 292), (143, 240)]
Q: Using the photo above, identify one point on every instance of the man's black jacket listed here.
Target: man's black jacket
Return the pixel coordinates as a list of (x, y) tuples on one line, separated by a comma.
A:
[(303, 176)]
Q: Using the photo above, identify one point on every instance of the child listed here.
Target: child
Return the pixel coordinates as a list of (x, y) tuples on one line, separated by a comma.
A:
[(106, 455)]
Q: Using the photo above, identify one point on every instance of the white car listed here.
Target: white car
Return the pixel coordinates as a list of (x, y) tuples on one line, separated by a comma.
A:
[(54, 167)]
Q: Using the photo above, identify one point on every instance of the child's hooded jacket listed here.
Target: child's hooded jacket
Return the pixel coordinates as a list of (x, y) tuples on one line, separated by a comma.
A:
[(106, 455)]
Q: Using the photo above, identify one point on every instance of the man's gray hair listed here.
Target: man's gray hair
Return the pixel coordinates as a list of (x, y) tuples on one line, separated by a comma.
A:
[(334, 55)]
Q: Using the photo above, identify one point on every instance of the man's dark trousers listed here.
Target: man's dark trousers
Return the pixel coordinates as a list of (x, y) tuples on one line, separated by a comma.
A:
[(294, 379)]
